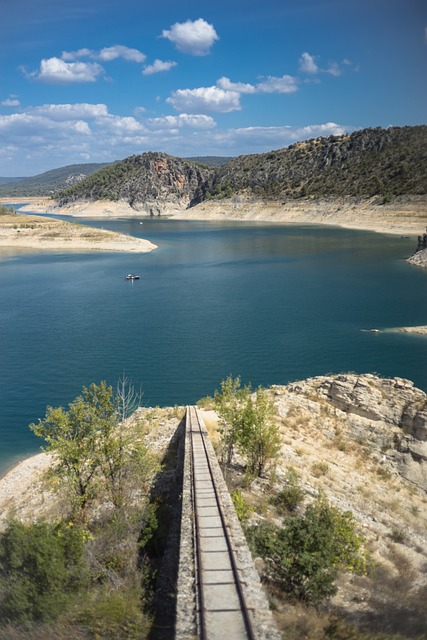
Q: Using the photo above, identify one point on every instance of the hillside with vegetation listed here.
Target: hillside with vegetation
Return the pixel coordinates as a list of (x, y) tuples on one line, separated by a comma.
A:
[(386, 163), (148, 182), (49, 182)]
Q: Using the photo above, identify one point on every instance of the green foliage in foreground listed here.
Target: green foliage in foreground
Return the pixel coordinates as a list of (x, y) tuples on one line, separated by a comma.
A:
[(41, 567), (304, 556), (93, 448), (248, 425), (90, 573)]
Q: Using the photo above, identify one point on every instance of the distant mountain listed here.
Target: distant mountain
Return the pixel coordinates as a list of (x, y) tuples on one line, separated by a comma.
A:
[(9, 180), (48, 183), (211, 161)]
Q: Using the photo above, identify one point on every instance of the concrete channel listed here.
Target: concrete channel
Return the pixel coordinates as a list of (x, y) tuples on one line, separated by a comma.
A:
[(219, 592)]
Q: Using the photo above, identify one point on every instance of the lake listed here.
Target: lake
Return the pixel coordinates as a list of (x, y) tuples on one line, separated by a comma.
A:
[(269, 303)]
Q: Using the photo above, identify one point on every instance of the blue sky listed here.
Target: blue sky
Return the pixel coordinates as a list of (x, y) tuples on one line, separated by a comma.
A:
[(99, 80)]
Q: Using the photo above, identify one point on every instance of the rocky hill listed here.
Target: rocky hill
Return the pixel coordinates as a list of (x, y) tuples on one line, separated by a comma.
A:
[(151, 182), (372, 162), (380, 163)]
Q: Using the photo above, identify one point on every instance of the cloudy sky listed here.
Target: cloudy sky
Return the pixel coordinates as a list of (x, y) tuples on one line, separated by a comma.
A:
[(99, 80)]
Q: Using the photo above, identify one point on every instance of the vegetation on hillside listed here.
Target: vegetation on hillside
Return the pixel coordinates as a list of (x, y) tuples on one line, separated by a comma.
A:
[(49, 182), (142, 178), (385, 163), (371, 162)]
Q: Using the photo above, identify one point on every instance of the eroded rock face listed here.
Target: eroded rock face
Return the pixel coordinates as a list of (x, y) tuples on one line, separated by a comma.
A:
[(389, 414)]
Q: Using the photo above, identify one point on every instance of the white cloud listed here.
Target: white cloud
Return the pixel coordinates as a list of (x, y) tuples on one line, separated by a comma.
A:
[(194, 37), (36, 130), (158, 66), (241, 87), (120, 51), (334, 69), (57, 71), (192, 121), (69, 56), (64, 112), (307, 63), (205, 99), (10, 102), (274, 84), (120, 124), (106, 54)]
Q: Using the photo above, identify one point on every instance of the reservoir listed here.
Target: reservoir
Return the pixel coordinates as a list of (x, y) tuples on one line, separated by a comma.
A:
[(269, 303)]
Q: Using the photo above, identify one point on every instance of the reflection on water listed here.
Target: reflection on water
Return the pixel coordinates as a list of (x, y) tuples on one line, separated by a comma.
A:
[(269, 303)]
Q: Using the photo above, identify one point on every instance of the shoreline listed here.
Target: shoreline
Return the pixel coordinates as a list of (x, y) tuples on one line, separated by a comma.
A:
[(20, 490), (21, 231), (406, 217)]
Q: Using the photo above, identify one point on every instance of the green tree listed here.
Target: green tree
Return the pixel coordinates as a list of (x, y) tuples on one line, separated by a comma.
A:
[(258, 436), (304, 556), (41, 567), (229, 404), (93, 448), (248, 424)]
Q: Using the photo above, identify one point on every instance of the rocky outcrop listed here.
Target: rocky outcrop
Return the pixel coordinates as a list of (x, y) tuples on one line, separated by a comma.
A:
[(419, 258), (388, 415), (152, 183)]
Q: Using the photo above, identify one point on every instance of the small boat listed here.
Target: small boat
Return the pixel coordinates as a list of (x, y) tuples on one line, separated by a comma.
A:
[(131, 276)]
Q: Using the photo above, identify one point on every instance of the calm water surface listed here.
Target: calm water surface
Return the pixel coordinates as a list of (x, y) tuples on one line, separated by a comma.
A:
[(268, 303)]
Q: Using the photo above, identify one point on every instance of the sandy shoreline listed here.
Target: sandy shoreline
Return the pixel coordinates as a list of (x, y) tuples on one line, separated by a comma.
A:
[(21, 231), (408, 217)]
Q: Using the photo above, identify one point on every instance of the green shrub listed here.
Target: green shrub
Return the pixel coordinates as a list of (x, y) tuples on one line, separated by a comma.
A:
[(291, 496), (243, 509), (114, 615), (41, 566), (304, 556), (248, 424)]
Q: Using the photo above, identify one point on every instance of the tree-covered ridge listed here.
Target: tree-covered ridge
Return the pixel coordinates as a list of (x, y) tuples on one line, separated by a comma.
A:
[(49, 182), (371, 162), (387, 162)]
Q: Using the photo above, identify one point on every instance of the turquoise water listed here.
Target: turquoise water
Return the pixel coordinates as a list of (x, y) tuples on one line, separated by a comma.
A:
[(268, 303)]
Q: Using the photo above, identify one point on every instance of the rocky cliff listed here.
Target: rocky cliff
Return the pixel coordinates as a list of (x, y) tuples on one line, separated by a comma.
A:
[(153, 183)]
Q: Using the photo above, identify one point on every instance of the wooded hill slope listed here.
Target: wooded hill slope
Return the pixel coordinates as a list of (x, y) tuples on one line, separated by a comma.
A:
[(49, 182), (371, 162)]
